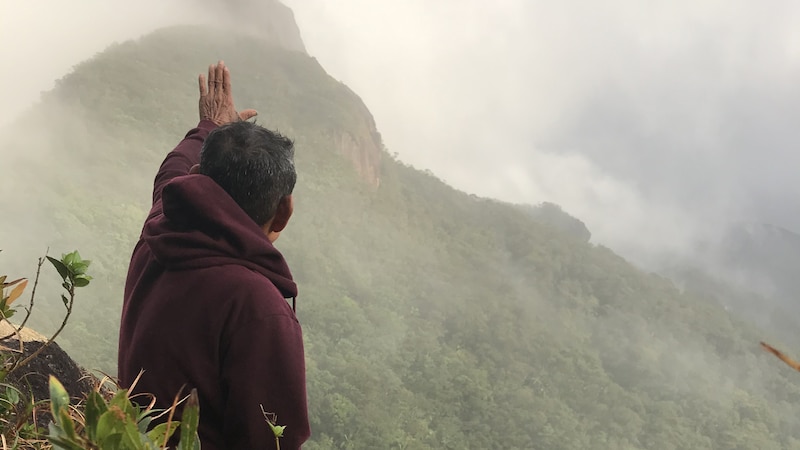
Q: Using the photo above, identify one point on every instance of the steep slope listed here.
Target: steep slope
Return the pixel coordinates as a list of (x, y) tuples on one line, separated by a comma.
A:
[(753, 270), (269, 20), (433, 319)]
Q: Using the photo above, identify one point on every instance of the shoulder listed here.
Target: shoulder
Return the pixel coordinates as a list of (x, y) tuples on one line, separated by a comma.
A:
[(253, 294)]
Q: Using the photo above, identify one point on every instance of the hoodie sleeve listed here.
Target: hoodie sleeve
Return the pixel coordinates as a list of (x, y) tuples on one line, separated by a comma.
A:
[(265, 366), (183, 157)]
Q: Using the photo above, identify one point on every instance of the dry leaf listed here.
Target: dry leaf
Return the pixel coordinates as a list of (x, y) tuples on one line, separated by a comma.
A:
[(11, 283), (17, 291)]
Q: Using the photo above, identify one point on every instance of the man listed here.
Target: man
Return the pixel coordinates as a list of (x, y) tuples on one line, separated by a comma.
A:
[(205, 299)]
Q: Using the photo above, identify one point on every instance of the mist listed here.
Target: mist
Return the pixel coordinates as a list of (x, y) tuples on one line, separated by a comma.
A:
[(657, 125)]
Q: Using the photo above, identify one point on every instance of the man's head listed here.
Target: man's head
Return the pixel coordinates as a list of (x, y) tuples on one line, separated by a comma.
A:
[(255, 166)]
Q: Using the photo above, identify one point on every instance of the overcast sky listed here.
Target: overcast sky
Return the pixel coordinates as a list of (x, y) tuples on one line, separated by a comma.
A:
[(654, 122)]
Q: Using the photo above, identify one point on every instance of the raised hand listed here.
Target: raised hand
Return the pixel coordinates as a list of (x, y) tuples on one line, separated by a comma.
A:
[(216, 97)]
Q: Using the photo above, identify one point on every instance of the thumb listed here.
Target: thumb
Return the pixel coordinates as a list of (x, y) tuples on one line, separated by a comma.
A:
[(248, 114)]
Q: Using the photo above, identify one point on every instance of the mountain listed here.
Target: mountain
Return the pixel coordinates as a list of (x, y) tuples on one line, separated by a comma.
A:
[(766, 254), (433, 319), (552, 214), (268, 20), (752, 269)]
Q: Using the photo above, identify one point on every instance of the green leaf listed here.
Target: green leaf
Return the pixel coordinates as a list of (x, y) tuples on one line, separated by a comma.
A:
[(12, 395), (95, 407), (189, 422), (59, 398), (70, 258), (107, 425), (79, 268), (144, 424), (131, 438), (60, 267), (64, 299), (111, 442), (277, 430), (161, 432), (59, 407), (81, 281), (119, 399), (121, 402), (7, 312), (66, 424), (60, 442)]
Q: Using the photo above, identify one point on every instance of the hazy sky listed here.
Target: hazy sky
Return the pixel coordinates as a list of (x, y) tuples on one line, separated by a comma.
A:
[(649, 119), (654, 122)]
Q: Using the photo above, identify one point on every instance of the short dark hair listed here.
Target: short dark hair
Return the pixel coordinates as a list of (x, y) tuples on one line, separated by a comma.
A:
[(254, 165)]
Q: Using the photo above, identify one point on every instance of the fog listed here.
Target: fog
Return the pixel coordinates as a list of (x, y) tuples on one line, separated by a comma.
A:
[(656, 124)]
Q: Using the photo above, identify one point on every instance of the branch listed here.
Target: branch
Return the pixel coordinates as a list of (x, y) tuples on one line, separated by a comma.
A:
[(29, 309), (52, 338)]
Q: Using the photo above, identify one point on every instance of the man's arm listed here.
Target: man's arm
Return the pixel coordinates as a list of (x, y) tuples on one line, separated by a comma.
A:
[(216, 109), (270, 374), (183, 157)]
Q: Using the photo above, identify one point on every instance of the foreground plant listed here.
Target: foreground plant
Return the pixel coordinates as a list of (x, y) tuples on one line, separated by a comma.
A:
[(277, 430), (118, 423), (105, 419), (789, 361), (18, 410)]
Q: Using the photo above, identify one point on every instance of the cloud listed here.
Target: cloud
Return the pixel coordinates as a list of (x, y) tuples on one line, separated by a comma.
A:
[(42, 41), (642, 118), (649, 120)]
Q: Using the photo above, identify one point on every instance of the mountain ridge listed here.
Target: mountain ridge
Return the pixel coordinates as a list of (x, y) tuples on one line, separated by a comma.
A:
[(432, 318)]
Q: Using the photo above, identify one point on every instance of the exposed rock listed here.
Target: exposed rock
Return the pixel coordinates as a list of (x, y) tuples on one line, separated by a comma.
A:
[(33, 377), (362, 143), (365, 154), (274, 22)]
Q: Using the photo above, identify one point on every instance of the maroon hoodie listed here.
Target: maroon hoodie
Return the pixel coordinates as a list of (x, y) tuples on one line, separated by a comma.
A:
[(205, 307)]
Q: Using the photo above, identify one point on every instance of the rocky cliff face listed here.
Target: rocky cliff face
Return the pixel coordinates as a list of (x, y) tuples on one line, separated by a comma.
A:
[(274, 22), (362, 147)]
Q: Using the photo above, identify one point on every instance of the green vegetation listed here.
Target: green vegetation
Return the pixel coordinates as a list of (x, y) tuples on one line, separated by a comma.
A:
[(72, 269), (433, 319), (20, 412), (105, 419), (117, 423)]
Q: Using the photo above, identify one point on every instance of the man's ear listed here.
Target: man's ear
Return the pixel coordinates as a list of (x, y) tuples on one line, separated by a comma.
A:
[(194, 169), (282, 214)]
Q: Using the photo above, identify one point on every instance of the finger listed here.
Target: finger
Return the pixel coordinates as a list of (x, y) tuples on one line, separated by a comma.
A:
[(220, 70), (203, 86), (248, 114), (226, 81), (212, 74)]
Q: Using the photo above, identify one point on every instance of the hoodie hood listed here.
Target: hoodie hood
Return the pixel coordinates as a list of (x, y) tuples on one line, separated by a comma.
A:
[(202, 226)]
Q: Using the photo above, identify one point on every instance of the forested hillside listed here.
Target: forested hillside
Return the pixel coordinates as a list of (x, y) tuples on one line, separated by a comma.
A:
[(433, 319)]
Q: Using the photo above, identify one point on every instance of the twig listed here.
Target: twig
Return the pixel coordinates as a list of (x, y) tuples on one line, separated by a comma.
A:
[(15, 332), (29, 309), (272, 421), (71, 292)]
